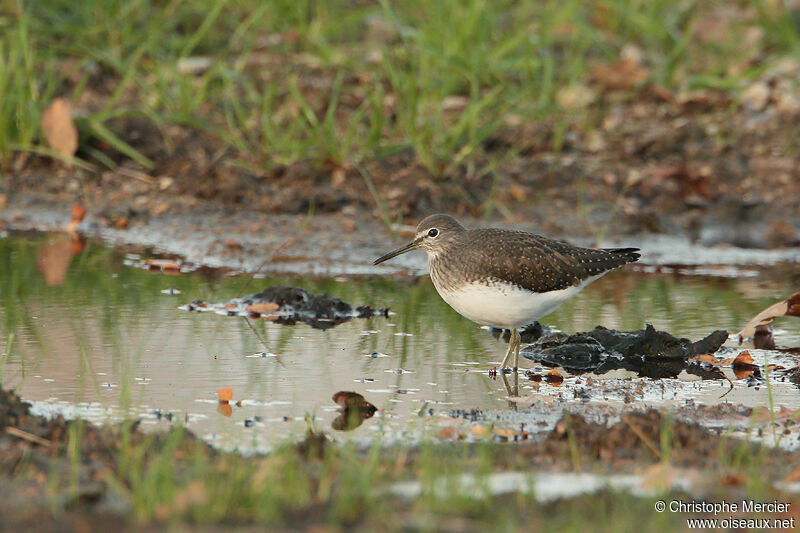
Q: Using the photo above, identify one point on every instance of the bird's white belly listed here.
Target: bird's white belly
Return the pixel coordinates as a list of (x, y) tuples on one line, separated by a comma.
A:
[(503, 305)]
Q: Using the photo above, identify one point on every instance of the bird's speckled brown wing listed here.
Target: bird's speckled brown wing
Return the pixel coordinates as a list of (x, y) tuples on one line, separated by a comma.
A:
[(537, 263)]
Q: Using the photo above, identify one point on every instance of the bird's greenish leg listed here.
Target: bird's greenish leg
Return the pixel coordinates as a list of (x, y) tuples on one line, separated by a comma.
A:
[(513, 348)]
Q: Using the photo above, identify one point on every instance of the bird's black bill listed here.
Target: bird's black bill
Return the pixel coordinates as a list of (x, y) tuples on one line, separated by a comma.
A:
[(394, 253)]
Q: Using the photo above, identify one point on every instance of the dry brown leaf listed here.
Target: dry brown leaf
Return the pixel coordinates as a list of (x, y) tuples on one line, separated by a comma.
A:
[(78, 214), (506, 433), (264, 308), (58, 127), (225, 394), (163, 265), (554, 377), (352, 400), (447, 433), (788, 307), (744, 358)]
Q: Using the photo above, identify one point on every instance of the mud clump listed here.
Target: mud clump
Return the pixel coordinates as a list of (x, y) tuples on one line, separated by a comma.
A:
[(637, 437), (289, 305), (650, 352)]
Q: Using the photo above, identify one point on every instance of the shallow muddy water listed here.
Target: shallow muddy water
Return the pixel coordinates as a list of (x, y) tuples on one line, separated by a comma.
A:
[(106, 338)]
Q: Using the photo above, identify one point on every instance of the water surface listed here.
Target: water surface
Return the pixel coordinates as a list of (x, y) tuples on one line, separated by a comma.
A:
[(106, 339)]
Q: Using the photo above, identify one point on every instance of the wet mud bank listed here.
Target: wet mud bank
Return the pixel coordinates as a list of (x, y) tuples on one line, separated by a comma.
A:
[(337, 244), (84, 470)]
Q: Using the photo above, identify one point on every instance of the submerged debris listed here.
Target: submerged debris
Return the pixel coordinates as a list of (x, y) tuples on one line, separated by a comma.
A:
[(354, 410), (650, 352), (759, 329), (289, 305)]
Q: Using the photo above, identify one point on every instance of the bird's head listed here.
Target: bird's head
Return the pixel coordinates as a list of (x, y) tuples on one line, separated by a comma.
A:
[(434, 234)]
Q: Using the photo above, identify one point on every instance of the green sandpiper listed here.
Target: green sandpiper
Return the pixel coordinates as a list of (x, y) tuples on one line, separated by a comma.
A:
[(503, 278)]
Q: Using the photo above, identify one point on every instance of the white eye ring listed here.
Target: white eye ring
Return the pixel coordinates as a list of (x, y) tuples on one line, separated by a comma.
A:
[(433, 232)]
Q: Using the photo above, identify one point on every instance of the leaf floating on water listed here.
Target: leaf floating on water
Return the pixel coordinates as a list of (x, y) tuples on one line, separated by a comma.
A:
[(764, 319), (351, 399), (263, 308), (744, 358), (164, 265), (354, 410), (554, 377), (59, 128), (743, 365), (225, 394)]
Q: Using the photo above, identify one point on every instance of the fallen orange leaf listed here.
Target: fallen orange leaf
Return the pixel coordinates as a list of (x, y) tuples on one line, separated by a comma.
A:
[(78, 212), (59, 128), (225, 394), (446, 433), (506, 433), (264, 308), (788, 307), (554, 376), (744, 358)]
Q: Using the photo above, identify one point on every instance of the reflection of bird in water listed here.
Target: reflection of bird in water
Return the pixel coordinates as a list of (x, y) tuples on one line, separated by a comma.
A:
[(506, 279), (354, 410)]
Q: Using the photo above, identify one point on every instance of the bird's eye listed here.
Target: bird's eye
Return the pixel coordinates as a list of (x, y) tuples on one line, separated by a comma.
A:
[(433, 232)]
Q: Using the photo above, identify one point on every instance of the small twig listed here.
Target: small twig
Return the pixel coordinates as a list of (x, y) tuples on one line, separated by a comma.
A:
[(30, 437), (641, 435), (729, 390)]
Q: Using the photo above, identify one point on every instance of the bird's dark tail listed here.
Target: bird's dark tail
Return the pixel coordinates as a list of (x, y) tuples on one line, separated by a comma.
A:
[(631, 254)]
